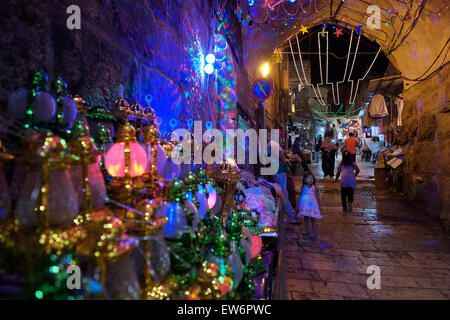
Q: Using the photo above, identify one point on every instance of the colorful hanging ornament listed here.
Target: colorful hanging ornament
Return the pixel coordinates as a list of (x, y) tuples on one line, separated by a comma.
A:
[(85, 172), (66, 109), (100, 116), (173, 210), (125, 161), (33, 103), (55, 203)]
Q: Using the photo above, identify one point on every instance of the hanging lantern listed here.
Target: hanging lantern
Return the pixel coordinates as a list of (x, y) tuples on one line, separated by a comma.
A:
[(115, 160), (56, 202), (125, 161), (126, 158), (85, 171)]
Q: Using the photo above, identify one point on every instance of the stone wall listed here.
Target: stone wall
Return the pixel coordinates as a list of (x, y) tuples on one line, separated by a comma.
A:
[(156, 48), (426, 138)]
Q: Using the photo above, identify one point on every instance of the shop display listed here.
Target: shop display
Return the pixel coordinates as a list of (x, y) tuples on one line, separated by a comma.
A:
[(126, 214)]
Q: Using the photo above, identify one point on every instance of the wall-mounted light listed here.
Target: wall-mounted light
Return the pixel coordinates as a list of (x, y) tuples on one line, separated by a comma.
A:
[(265, 69), (210, 58), (209, 68)]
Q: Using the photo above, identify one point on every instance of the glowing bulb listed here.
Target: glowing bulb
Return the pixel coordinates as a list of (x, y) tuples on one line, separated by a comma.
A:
[(265, 69), (210, 58), (209, 68)]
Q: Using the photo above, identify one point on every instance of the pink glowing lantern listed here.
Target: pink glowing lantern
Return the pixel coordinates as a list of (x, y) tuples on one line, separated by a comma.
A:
[(116, 164), (126, 158)]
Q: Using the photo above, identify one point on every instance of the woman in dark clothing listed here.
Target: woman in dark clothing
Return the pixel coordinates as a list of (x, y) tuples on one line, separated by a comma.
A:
[(298, 151), (328, 157)]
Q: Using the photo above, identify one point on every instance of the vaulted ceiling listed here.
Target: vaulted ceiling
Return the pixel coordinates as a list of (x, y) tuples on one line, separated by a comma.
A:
[(413, 32)]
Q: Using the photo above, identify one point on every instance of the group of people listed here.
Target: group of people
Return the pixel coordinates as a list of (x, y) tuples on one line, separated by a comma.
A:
[(309, 203)]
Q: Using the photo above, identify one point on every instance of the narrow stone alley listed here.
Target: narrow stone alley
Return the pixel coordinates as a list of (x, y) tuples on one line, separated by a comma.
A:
[(412, 252)]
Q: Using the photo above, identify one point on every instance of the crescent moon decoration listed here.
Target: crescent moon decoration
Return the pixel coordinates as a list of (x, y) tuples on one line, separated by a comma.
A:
[(358, 31)]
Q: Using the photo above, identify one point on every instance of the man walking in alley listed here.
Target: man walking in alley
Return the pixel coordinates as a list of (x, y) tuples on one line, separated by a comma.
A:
[(350, 145)]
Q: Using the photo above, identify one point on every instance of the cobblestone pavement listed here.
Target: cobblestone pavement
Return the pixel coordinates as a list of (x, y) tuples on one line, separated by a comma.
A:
[(412, 251)]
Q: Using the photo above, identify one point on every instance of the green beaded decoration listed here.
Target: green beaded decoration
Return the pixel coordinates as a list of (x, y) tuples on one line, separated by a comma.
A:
[(59, 89), (38, 82)]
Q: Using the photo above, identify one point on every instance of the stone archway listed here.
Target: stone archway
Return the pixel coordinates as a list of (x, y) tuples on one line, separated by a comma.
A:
[(415, 40)]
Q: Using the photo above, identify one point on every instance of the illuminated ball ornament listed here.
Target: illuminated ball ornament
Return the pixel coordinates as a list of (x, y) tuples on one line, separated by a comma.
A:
[(212, 195), (209, 69), (126, 158), (210, 58)]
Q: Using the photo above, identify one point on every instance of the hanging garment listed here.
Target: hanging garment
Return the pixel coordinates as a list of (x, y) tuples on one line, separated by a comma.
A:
[(368, 121), (399, 103), (377, 107)]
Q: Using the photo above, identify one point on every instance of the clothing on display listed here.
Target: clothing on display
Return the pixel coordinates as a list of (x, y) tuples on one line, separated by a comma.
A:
[(368, 121), (399, 103), (377, 107)]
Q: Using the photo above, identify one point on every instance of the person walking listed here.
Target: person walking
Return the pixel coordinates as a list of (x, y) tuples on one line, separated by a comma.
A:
[(309, 205), (328, 157), (350, 144), (349, 171), (280, 178)]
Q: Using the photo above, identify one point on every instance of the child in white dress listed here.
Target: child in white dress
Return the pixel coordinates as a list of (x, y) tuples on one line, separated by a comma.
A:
[(309, 204)]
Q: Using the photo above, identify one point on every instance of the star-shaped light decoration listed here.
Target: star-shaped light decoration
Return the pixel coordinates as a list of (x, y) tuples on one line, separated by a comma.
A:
[(338, 33), (303, 29)]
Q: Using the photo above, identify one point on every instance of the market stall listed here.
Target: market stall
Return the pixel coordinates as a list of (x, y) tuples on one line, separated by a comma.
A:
[(96, 191)]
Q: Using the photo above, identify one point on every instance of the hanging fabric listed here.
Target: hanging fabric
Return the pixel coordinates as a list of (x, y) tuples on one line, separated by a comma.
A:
[(377, 107), (399, 103)]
